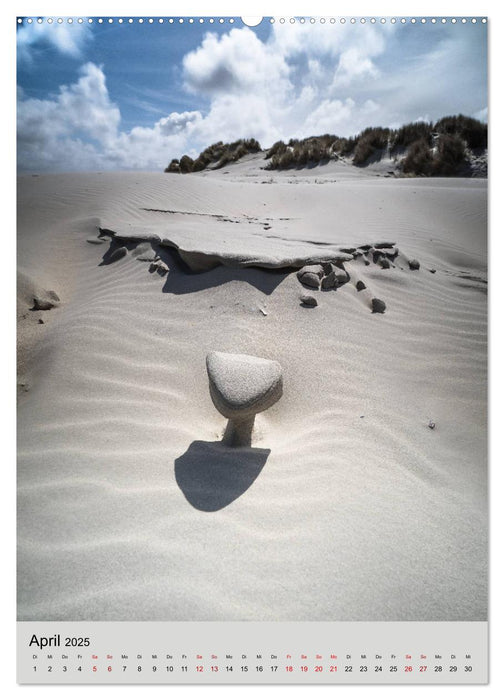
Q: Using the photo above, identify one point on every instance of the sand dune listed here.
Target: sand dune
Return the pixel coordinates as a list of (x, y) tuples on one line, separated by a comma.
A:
[(347, 506)]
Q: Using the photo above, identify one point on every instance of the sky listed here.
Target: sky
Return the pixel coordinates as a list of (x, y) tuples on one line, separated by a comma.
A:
[(132, 96)]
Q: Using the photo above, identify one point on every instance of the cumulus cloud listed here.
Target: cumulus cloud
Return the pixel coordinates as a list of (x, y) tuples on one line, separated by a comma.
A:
[(79, 129), (68, 39), (303, 80), (236, 62)]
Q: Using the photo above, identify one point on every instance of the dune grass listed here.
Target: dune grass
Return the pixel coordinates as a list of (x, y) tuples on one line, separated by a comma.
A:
[(419, 148)]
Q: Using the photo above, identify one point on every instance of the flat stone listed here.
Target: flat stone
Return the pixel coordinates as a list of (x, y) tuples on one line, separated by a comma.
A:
[(384, 244), (243, 385), (308, 300), (118, 254)]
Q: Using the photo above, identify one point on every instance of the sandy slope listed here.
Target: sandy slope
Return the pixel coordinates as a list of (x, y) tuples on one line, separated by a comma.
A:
[(348, 507)]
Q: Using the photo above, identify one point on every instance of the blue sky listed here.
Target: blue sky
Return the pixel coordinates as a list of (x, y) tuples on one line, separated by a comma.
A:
[(127, 96)]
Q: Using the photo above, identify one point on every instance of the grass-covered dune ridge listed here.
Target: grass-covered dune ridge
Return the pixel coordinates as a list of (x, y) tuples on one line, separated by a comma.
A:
[(452, 146)]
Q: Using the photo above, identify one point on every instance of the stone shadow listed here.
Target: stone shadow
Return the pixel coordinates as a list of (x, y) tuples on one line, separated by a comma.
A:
[(212, 475)]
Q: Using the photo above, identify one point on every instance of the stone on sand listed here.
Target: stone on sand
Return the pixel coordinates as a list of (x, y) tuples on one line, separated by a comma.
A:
[(377, 306), (308, 300), (240, 387), (48, 301), (310, 275), (118, 253)]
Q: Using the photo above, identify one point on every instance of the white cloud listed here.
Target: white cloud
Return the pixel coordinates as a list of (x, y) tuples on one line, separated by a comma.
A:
[(79, 129), (304, 80), (235, 63), (68, 39)]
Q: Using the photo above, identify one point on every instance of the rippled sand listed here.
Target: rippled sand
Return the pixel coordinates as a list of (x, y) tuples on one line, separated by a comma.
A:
[(348, 506)]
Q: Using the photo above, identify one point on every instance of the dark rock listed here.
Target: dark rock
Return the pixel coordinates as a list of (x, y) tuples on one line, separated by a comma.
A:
[(432, 425), (310, 279), (384, 245), (432, 270), (377, 306), (329, 281), (414, 265), (42, 304), (360, 286), (40, 320), (342, 276), (307, 300)]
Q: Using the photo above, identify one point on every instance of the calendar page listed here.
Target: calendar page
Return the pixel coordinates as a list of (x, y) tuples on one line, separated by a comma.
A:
[(252, 349)]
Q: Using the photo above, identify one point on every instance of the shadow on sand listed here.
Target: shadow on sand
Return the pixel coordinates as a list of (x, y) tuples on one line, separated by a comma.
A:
[(212, 475), (181, 280)]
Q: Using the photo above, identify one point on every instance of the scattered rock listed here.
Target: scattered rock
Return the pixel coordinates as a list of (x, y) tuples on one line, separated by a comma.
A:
[(162, 268), (42, 304), (392, 254), (385, 263), (117, 254), (432, 270), (360, 286), (329, 281), (307, 300), (432, 425), (310, 279), (310, 275), (342, 276), (414, 265), (264, 312), (377, 306), (95, 241), (40, 320)]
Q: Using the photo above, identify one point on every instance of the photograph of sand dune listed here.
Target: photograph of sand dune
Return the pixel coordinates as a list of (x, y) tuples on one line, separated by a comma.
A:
[(252, 320)]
